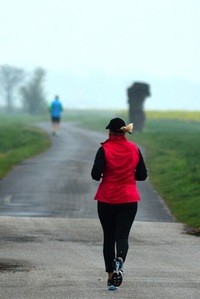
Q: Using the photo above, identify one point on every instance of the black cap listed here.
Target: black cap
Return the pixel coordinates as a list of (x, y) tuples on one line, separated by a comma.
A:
[(115, 124)]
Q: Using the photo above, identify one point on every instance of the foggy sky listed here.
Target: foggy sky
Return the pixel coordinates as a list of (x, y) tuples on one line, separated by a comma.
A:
[(93, 50)]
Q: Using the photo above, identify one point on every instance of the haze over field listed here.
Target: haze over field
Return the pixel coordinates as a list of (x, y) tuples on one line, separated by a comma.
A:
[(93, 50)]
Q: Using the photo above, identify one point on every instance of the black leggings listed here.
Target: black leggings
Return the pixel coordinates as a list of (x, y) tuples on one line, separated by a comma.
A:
[(116, 221)]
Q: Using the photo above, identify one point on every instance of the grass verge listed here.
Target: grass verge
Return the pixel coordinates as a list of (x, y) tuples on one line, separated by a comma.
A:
[(172, 155), (19, 141)]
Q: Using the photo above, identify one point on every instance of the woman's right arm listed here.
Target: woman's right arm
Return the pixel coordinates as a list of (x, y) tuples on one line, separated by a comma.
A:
[(99, 164), (140, 171)]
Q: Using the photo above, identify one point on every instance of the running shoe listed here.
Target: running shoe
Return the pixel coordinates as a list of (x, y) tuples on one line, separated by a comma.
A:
[(117, 276), (118, 264), (110, 285)]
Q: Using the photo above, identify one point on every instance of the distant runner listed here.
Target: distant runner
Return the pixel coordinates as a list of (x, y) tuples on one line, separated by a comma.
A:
[(56, 110)]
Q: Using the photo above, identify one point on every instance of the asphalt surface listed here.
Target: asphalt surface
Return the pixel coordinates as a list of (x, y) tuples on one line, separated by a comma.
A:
[(51, 239)]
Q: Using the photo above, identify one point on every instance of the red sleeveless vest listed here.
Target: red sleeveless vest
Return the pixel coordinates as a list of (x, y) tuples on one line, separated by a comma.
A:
[(118, 183)]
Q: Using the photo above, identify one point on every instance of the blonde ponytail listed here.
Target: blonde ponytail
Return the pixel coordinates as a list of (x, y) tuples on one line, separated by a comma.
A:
[(127, 128)]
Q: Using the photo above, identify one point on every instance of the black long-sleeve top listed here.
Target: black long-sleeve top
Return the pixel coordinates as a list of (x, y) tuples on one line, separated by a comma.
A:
[(99, 165)]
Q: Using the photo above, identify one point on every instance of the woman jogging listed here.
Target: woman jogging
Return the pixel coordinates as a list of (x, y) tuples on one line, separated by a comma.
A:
[(119, 163)]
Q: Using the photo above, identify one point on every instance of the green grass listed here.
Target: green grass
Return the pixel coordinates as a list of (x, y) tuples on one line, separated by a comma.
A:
[(173, 155), (18, 141), (181, 115)]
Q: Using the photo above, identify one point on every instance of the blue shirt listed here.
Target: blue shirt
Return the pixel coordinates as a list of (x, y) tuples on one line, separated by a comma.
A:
[(56, 108)]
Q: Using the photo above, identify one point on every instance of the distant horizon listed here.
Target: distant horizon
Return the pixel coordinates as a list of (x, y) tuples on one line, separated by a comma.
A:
[(17, 108), (95, 90)]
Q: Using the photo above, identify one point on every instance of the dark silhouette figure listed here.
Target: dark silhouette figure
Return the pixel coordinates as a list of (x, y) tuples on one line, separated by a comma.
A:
[(136, 97)]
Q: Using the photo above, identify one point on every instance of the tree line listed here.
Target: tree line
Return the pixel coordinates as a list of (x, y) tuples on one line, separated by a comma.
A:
[(29, 87)]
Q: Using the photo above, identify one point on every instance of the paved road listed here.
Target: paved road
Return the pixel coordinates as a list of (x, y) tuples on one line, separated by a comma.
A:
[(58, 182), (51, 239)]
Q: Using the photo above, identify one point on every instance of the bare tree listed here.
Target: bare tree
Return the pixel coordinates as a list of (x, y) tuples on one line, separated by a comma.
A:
[(10, 78), (32, 93)]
